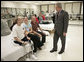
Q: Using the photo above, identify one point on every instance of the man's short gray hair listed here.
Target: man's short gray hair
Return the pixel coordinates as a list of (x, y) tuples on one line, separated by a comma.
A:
[(59, 5)]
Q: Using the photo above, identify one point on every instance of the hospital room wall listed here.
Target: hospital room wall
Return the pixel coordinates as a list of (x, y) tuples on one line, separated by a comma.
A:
[(8, 4), (71, 7), (82, 8)]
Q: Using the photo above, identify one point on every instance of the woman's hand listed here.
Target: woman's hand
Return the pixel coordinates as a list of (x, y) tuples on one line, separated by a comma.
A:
[(24, 43), (28, 38), (26, 33)]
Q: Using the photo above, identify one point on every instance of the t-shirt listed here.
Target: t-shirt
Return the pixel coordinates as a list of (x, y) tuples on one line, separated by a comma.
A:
[(43, 17), (37, 20), (35, 25), (27, 27), (18, 31)]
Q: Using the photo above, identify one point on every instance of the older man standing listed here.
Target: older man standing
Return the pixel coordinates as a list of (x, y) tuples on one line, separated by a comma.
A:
[(61, 25)]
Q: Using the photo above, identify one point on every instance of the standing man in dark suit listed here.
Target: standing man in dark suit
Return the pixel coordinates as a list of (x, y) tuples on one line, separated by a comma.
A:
[(61, 25)]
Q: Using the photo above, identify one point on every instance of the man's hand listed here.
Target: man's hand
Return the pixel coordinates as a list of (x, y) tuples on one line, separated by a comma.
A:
[(37, 34), (40, 35), (64, 34)]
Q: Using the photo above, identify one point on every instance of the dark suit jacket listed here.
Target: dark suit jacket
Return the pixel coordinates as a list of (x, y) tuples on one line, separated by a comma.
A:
[(61, 23)]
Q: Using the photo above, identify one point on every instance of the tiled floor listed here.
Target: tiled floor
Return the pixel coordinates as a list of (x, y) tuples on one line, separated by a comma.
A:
[(76, 22), (74, 47)]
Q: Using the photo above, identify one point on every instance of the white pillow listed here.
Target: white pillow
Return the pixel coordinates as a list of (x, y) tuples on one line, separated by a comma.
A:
[(5, 30), (46, 32)]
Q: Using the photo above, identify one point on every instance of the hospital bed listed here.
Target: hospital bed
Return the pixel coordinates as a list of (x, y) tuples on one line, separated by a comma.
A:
[(11, 51), (48, 27)]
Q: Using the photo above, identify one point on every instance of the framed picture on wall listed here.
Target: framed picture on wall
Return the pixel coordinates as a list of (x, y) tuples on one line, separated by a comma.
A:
[(13, 11), (51, 8), (44, 8), (27, 10), (18, 12), (22, 11), (3, 10), (9, 10)]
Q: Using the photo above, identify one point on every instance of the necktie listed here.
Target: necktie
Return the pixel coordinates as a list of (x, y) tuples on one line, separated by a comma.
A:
[(57, 15)]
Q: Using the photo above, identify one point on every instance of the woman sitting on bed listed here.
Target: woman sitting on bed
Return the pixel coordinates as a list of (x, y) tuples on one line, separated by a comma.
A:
[(35, 37), (18, 33)]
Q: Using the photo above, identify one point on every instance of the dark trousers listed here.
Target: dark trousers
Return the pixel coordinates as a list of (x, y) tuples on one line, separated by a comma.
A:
[(36, 41), (43, 36), (55, 41), (24, 39), (34, 38)]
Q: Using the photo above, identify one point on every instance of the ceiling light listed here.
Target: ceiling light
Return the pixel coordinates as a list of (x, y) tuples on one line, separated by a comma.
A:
[(53, 2)]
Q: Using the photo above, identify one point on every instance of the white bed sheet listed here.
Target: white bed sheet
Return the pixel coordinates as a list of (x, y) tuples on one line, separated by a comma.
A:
[(11, 51), (49, 27)]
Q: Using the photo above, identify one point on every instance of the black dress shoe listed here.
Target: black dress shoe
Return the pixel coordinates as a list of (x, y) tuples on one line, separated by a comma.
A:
[(34, 51), (60, 52), (40, 48), (53, 50)]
